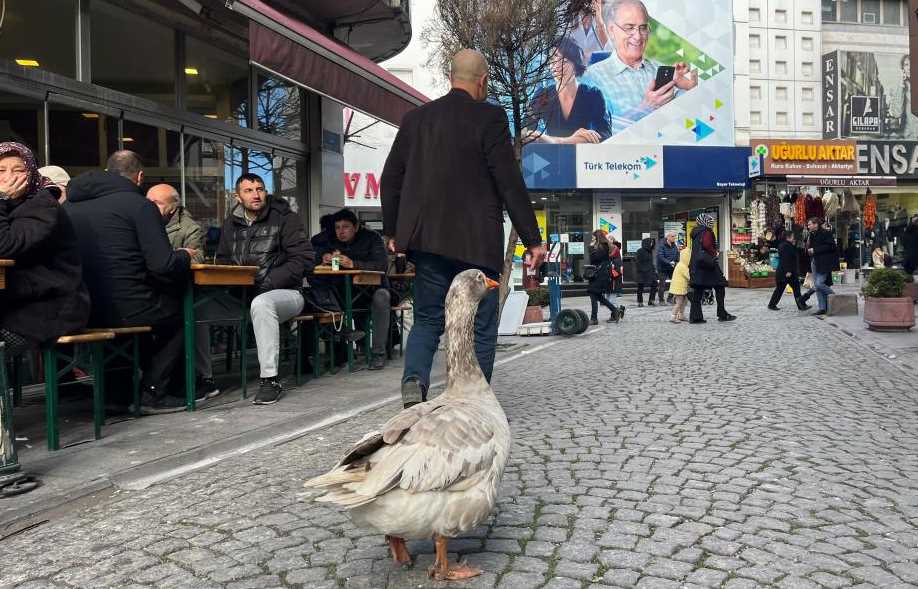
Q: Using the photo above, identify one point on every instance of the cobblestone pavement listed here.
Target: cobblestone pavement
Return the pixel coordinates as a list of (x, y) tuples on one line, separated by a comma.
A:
[(770, 452)]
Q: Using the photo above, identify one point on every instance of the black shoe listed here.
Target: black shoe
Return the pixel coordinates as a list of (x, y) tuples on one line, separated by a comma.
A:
[(612, 319), (773, 308), (152, 402), (805, 297), (805, 307), (206, 388), (640, 304), (269, 392), (594, 322), (697, 321), (378, 362), (727, 317), (651, 304), (413, 392), (820, 312), (621, 312)]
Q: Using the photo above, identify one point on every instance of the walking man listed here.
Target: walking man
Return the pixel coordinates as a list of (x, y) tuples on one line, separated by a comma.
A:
[(823, 257), (788, 273), (667, 258), (449, 175)]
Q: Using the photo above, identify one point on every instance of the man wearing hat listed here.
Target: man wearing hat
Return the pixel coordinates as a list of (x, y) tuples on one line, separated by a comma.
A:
[(705, 270), (59, 179)]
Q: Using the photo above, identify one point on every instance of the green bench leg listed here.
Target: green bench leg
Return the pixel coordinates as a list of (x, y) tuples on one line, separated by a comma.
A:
[(401, 333), (97, 351), (17, 381), (135, 377), (244, 344), (50, 360), (316, 338), (298, 350), (367, 343)]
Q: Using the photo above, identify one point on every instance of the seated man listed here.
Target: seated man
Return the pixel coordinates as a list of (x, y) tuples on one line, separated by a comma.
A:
[(133, 274), (363, 249), (263, 231)]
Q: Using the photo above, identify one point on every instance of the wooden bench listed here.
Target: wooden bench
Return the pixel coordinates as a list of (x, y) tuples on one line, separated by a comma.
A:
[(128, 350), (96, 341)]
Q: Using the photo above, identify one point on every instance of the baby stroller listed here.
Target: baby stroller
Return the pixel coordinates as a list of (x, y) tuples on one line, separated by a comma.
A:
[(707, 296)]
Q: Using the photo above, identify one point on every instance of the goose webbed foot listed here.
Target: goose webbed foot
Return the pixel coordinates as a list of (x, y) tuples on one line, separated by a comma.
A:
[(399, 551), (442, 570)]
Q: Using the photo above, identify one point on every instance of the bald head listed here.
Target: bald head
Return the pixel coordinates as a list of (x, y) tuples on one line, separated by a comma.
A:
[(165, 197), (469, 71)]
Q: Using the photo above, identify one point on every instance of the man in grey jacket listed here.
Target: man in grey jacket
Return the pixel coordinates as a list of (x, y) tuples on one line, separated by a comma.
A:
[(181, 229)]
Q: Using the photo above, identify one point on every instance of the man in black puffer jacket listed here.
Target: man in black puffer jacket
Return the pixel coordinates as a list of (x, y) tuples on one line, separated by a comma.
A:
[(263, 231), (133, 274)]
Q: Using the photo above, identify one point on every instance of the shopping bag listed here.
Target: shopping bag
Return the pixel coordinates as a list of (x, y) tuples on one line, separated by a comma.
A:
[(808, 281)]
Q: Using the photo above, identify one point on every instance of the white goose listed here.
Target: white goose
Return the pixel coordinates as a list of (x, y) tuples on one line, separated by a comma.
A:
[(434, 470)]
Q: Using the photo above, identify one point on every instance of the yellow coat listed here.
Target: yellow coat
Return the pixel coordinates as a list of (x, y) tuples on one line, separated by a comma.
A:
[(680, 281)]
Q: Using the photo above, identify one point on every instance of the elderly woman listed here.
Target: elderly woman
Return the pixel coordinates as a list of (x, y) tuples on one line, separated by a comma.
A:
[(667, 258), (44, 296)]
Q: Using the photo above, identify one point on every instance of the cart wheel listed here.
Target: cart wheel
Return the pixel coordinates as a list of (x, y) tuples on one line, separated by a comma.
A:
[(19, 487), (584, 321), (567, 323)]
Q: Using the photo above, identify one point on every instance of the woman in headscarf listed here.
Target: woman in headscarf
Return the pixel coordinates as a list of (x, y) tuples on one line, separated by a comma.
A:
[(44, 296), (600, 285), (705, 270)]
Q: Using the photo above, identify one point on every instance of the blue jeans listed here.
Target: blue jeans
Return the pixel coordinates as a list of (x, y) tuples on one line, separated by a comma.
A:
[(434, 275), (822, 290)]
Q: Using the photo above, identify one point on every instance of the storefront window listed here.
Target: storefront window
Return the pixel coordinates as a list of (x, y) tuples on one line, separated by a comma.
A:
[(40, 34), (216, 83), (284, 176), (132, 54), (211, 170), (566, 219), (20, 120), (828, 10), (653, 215), (158, 150), (80, 140), (279, 108)]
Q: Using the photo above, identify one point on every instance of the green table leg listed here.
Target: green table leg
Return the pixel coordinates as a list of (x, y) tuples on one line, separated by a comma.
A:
[(244, 343), (299, 354), (348, 319), (188, 308), (97, 352), (50, 360), (367, 346), (9, 461), (135, 372), (316, 368)]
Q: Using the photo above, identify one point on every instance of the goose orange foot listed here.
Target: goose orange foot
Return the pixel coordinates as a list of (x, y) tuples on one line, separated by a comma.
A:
[(443, 571), (399, 551)]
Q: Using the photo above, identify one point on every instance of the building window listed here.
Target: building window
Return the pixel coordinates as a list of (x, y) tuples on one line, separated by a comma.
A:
[(216, 82), (211, 171), (781, 93), (870, 12), (755, 41), (829, 11), (892, 12), (781, 17), (781, 119), (755, 117), (755, 92), (847, 10), (118, 62), (40, 34), (806, 43), (807, 68), (755, 66), (279, 107), (19, 121), (754, 15), (806, 17), (808, 119), (780, 42), (159, 150), (781, 68), (80, 141), (808, 94)]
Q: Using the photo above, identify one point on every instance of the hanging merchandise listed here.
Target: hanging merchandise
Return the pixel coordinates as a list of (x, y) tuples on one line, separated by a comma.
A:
[(772, 209), (831, 203), (870, 211), (849, 203), (799, 210), (757, 218)]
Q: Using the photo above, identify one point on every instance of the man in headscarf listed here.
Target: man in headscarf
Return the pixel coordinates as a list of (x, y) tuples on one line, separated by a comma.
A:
[(705, 270)]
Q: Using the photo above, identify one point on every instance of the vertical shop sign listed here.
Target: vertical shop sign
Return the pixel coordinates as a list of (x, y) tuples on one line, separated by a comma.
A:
[(830, 94), (608, 212)]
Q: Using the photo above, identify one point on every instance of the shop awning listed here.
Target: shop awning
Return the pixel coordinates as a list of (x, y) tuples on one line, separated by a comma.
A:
[(296, 51)]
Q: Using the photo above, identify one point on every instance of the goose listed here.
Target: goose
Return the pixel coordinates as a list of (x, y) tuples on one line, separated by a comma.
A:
[(434, 469)]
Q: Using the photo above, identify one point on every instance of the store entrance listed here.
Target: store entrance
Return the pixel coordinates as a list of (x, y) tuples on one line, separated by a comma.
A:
[(566, 220)]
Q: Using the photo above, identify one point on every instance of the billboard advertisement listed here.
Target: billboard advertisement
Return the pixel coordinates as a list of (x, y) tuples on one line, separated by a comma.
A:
[(868, 95), (652, 75)]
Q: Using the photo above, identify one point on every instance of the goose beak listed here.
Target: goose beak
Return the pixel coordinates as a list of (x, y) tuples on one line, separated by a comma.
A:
[(492, 283)]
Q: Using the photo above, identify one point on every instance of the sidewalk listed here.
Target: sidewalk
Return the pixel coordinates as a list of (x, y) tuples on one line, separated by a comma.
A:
[(136, 453)]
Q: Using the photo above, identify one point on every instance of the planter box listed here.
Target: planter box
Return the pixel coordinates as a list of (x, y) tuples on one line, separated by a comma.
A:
[(911, 290), (533, 315), (889, 314)]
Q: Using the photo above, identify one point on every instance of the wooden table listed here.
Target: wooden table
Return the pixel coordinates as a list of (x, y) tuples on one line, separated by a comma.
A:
[(352, 278), (209, 276), (4, 264)]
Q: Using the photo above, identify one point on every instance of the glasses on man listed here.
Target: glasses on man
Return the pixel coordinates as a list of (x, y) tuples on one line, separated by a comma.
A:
[(631, 30)]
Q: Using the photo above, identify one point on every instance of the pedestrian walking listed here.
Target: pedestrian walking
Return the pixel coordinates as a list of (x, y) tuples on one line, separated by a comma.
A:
[(667, 258), (452, 165), (823, 257), (600, 285), (705, 270), (679, 287), (787, 274), (645, 272), (618, 272), (910, 242)]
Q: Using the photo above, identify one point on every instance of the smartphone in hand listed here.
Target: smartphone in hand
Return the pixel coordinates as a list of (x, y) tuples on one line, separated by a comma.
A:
[(665, 75)]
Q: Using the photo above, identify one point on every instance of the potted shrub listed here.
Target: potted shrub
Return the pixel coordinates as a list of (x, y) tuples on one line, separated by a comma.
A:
[(885, 307), (538, 299)]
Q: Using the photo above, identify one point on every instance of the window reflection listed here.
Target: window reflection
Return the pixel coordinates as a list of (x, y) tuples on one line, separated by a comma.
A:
[(279, 108), (211, 170), (40, 34), (132, 54), (96, 138), (19, 121), (216, 83), (158, 150), (284, 176)]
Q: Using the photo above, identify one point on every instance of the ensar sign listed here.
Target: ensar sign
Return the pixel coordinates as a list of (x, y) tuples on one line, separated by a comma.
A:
[(358, 185)]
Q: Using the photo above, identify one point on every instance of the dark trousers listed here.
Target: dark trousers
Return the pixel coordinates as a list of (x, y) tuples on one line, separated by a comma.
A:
[(653, 292), (666, 273), (695, 314), (598, 299), (781, 283), (433, 277), (163, 349)]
